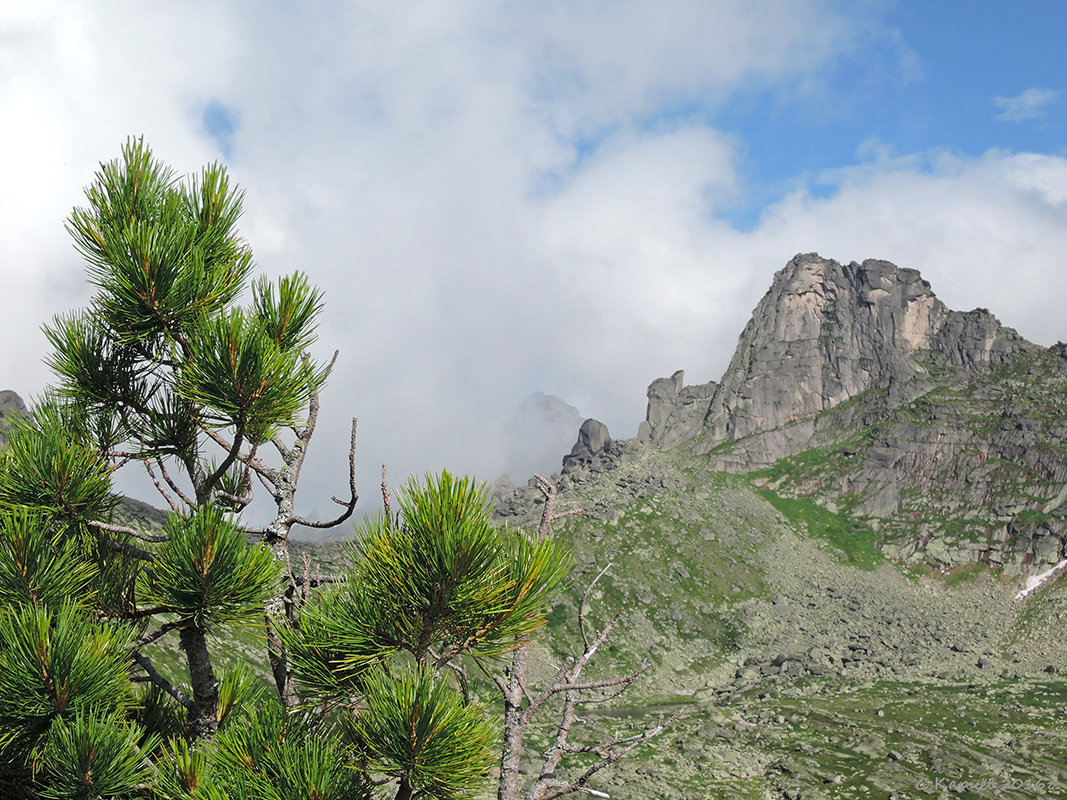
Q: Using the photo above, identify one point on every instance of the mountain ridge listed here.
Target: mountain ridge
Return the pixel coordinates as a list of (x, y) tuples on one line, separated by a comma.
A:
[(819, 554), (853, 385)]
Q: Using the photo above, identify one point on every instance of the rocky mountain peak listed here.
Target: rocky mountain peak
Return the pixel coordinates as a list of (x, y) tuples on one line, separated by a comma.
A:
[(530, 442), (823, 334)]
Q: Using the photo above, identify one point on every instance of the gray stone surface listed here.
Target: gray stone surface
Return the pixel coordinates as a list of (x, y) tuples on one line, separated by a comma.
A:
[(10, 405), (825, 333), (593, 448), (675, 412)]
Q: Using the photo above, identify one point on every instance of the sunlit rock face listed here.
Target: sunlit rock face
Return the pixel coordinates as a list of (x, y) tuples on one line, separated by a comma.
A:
[(823, 334)]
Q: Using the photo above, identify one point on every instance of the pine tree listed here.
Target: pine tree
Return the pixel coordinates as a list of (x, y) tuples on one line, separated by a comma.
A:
[(167, 370), (163, 368)]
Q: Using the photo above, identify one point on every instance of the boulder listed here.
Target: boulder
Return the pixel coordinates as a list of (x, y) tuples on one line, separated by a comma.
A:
[(593, 445)]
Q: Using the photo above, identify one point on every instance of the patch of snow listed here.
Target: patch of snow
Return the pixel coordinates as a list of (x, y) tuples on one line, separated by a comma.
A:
[(1035, 582)]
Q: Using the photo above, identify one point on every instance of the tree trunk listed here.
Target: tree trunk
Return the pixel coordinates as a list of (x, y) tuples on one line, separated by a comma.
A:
[(276, 614), (204, 714), (514, 727), (279, 610)]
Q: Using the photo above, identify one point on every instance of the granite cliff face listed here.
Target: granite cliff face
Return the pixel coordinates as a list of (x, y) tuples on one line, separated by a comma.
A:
[(823, 334), (745, 533), (853, 385)]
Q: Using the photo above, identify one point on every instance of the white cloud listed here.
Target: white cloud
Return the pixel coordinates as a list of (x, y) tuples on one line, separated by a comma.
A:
[(1030, 104)]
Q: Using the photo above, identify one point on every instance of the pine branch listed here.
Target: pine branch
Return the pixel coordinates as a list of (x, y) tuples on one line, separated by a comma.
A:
[(145, 663)]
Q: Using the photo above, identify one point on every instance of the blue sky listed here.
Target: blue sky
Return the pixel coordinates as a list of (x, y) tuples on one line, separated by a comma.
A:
[(931, 83), (568, 196)]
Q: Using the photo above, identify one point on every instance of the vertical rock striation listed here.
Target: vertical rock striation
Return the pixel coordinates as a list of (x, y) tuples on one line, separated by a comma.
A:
[(823, 334)]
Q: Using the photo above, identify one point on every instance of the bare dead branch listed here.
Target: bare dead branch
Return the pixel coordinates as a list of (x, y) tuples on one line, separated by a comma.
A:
[(609, 755), (493, 676), (386, 499), (142, 613), (350, 504), (607, 683), (267, 483), (572, 513), (585, 601), (155, 635), (548, 513), (306, 588), (461, 671), (553, 688), (575, 693), (242, 501), (280, 446), (174, 487), (548, 489), (144, 537), (249, 459), (231, 456), (159, 486), (129, 549)]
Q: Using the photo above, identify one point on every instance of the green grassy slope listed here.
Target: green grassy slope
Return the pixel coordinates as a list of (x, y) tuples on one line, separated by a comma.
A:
[(805, 664)]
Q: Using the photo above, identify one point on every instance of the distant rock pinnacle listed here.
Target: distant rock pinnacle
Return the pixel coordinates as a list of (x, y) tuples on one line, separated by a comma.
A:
[(10, 405)]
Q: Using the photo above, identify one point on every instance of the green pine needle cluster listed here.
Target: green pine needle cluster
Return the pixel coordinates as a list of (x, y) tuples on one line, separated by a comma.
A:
[(418, 730), (431, 587), (207, 573)]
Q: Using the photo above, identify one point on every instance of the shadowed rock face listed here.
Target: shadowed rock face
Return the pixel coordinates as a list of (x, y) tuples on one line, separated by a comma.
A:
[(542, 427), (823, 334), (593, 441)]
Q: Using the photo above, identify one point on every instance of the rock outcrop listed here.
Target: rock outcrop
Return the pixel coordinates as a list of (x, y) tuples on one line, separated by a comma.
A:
[(855, 386), (593, 446), (823, 334), (11, 405), (675, 412)]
